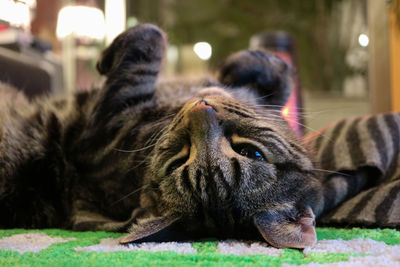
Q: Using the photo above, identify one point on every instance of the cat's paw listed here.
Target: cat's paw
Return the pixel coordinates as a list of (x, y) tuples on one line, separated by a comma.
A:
[(142, 44), (259, 70)]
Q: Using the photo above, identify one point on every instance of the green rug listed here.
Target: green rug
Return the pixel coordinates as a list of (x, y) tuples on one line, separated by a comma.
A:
[(346, 247)]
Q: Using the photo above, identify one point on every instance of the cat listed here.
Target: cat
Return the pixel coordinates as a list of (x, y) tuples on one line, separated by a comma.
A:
[(211, 157)]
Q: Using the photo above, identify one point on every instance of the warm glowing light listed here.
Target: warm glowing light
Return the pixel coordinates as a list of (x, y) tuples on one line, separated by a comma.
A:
[(115, 13), (363, 40), (30, 3), (82, 21), (16, 13), (285, 112), (203, 50)]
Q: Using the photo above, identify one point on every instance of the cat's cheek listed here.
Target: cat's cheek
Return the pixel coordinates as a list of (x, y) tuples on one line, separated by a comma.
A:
[(313, 196), (149, 200)]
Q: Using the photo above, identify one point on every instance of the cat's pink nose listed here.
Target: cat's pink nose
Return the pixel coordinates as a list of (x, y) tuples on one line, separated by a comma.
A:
[(202, 117), (202, 106)]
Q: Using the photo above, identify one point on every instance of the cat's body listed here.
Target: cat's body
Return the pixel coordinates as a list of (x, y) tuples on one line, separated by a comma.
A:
[(210, 157), (49, 156)]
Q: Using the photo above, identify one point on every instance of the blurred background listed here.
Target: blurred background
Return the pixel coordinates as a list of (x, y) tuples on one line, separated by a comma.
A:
[(346, 52)]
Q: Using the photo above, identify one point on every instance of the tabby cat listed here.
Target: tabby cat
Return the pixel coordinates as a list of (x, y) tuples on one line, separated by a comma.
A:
[(164, 160)]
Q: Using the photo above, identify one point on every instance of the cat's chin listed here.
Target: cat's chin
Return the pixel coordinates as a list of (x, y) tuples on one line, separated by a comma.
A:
[(213, 91)]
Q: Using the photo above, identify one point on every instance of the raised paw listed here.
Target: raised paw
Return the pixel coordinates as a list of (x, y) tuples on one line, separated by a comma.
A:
[(142, 44), (259, 70)]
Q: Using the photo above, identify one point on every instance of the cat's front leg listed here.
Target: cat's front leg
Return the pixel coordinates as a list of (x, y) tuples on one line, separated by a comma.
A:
[(131, 64)]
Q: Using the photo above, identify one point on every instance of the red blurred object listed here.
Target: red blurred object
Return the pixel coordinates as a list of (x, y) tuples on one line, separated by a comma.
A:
[(3, 27), (281, 44)]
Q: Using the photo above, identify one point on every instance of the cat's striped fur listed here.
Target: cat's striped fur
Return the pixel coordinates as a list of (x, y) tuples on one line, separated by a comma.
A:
[(206, 158), (364, 153)]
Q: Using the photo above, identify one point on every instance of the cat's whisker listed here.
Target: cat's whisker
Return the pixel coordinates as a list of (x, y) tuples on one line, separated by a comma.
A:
[(332, 172), (269, 106), (263, 97), (298, 123), (163, 119), (155, 124), (128, 195), (298, 114), (156, 135), (312, 130), (140, 163), (135, 150)]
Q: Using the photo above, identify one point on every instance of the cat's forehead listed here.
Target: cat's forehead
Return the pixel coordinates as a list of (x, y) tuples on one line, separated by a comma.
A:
[(241, 97)]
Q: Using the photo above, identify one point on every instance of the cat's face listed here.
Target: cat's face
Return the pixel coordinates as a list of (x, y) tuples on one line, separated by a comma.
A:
[(227, 166)]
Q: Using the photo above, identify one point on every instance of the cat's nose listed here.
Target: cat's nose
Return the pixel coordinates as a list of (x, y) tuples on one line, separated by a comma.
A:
[(202, 117), (202, 105), (202, 111), (204, 128)]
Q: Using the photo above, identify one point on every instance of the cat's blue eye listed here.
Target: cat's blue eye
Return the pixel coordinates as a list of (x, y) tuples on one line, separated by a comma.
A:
[(249, 151), (259, 156)]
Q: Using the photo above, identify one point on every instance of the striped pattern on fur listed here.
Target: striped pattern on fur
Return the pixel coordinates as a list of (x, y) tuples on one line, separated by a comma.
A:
[(364, 152)]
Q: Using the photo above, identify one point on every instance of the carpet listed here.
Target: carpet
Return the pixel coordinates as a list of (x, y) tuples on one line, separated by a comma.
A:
[(335, 247)]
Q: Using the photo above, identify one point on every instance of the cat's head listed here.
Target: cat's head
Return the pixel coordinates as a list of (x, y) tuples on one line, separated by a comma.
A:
[(230, 166), (227, 167)]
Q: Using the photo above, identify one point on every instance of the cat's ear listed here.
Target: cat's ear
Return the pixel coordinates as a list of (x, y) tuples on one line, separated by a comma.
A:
[(147, 227), (145, 43), (284, 233), (264, 72)]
